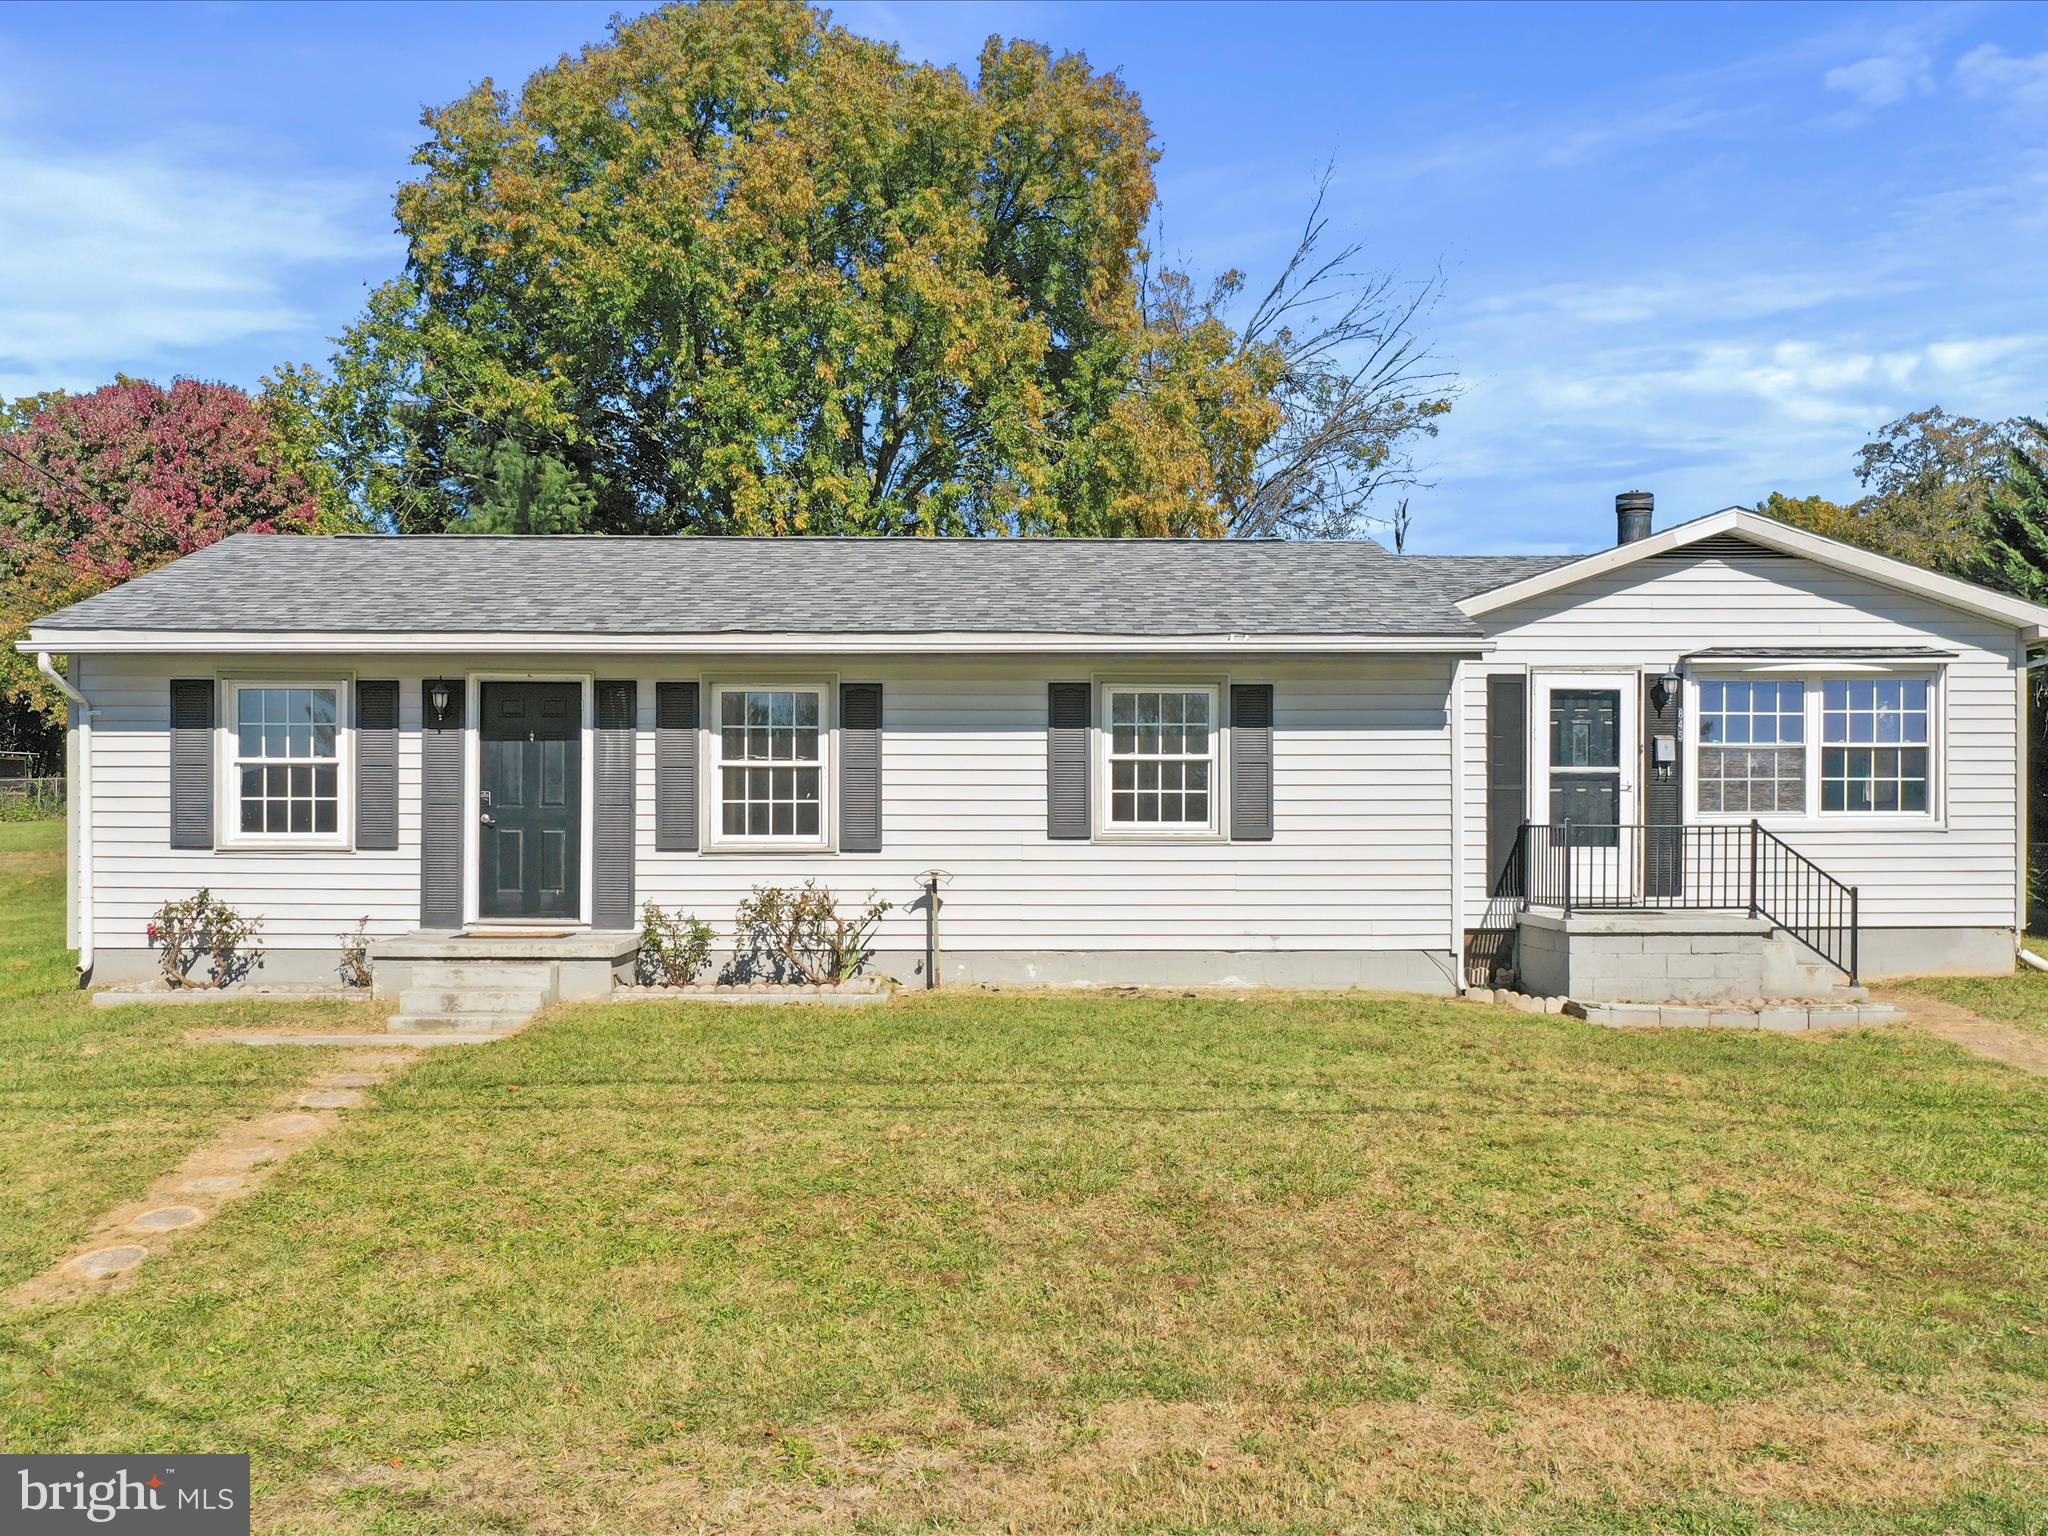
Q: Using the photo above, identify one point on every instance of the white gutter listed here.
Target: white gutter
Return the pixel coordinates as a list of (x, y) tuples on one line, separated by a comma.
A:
[(79, 810), (471, 643)]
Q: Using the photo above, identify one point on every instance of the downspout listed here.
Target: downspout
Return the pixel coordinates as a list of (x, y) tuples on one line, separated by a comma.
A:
[(80, 807), (2026, 798)]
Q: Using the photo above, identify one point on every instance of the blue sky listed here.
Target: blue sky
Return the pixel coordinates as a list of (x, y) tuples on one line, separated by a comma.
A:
[(1703, 250)]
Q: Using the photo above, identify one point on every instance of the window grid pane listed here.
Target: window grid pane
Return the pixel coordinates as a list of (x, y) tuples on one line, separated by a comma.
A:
[(766, 737), (285, 760), (1874, 744), (1162, 750)]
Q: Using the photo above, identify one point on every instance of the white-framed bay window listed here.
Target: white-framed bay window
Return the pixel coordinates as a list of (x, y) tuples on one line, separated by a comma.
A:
[(285, 760), (771, 749), (1816, 747), (1160, 759)]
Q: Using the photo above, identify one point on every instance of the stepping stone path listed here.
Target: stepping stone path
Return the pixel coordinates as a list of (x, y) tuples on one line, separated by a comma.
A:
[(166, 1219), (232, 1165)]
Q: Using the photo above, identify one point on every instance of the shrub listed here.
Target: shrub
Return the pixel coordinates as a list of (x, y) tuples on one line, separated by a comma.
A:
[(673, 947), (202, 926), (355, 955), (795, 933)]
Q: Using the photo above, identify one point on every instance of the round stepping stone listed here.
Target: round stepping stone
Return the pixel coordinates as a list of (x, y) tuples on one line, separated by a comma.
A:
[(164, 1219), (102, 1262), (356, 1080), (293, 1125), (212, 1184), (331, 1098), (249, 1157)]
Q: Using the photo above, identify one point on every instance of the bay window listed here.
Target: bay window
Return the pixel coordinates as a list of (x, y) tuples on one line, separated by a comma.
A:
[(1820, 747)]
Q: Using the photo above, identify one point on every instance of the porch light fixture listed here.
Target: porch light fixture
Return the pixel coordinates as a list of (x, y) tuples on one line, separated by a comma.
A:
[(1666, 688), (438, 697)]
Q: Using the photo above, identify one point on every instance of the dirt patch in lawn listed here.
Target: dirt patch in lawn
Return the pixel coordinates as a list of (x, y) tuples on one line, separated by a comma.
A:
[(2016, 1047)]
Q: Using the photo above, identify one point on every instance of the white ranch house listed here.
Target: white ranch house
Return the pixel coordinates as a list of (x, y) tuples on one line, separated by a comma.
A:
[(1151, 762)]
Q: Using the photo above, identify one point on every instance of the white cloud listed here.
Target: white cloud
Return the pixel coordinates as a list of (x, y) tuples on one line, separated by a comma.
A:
[(1989, 72), (1884, 79), (125, 261)]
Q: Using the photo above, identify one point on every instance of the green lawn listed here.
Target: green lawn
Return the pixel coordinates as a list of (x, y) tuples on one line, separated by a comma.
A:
[(1064, 1262), (2020, 999), (96, 1104)]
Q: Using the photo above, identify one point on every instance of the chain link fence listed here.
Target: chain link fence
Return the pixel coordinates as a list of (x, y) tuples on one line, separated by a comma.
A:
[(31, 799)]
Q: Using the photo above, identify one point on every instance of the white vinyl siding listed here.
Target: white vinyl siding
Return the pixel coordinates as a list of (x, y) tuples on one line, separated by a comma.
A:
[(1361, 859), (1954, 868)]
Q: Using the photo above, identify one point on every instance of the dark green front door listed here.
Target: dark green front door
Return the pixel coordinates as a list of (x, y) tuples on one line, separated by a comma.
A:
[(532, 838)]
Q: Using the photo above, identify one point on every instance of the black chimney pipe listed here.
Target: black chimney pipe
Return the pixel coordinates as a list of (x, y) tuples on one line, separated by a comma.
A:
[(1632, 511)]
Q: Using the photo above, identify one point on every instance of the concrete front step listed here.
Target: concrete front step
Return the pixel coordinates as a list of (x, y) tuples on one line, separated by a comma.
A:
[(441, 998), (509, 975), (458, 1023)]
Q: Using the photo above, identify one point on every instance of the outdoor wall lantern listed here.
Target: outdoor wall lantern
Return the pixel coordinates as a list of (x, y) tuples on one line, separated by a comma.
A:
[(1665, 689), (438, 696)]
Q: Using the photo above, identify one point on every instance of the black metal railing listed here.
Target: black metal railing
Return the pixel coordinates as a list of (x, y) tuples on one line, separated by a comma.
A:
[(1729, 867)]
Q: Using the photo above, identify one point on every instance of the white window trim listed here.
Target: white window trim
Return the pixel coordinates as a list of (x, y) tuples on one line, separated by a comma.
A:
[(227, 815), (1217, 829), (715, 840), (1814, 678)]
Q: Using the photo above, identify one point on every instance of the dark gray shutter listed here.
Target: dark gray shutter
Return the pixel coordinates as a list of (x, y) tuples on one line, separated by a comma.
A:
[(1663, 797), (1251, 762), (442, 806), (675, 767), (860, 767), (1066, 760), (611, 855), (1507, 751), (192, 762), (377, 765)]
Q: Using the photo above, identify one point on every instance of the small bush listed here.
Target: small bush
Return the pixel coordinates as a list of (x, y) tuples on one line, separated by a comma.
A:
[(673, 947), (202, 926), (355, 955), (795, 933)]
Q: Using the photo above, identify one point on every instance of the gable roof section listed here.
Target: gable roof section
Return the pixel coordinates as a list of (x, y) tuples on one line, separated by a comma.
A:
[(1710, 535), (621, 593)]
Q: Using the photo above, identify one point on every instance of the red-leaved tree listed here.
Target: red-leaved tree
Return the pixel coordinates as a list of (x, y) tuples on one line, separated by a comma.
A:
[(98, 488)]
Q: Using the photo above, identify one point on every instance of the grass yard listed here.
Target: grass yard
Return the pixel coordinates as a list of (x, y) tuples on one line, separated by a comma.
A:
[(96, 1103), (2020, 999), (1076, 1263)]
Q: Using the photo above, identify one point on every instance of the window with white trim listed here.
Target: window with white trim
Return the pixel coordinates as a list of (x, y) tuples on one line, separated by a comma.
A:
[(770, 780), (287, 760), (1816, 746), (1874, 744), (1752, 746), (1162, 758)]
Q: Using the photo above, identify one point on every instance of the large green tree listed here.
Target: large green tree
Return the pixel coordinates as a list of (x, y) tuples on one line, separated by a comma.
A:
[(738, 270), (1928, 479)]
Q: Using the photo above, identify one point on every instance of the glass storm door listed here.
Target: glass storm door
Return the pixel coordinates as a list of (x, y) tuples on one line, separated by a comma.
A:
[(532, 833), (1587, 726)]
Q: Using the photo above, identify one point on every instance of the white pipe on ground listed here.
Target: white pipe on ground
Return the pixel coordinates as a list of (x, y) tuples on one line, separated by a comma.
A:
[(2030, 960), (79, 794)]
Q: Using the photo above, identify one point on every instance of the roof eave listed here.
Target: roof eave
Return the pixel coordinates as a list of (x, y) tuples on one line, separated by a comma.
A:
[(301, 643), (2030, 618)]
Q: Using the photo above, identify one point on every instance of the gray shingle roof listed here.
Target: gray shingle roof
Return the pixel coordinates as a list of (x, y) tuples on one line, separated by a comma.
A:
[(1460, 576), (688, 586)]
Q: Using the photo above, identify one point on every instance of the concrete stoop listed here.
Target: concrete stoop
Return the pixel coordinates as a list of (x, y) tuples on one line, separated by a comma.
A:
[(481, 983), (1672, 958), (1788, 1016)]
